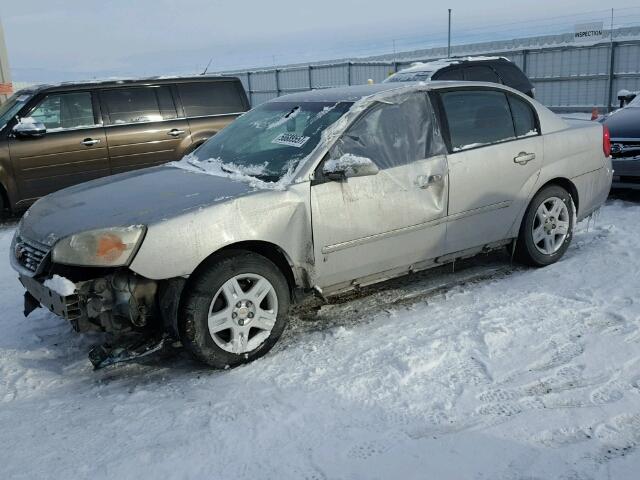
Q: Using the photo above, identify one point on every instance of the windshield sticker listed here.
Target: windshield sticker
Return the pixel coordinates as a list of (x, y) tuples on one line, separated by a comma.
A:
[(290, 139)]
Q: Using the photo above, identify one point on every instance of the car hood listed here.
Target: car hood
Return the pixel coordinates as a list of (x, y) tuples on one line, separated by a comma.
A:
[(624, 123), (142, 197)]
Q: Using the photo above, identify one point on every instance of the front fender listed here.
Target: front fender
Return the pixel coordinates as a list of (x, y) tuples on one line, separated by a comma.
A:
[(177, 246)]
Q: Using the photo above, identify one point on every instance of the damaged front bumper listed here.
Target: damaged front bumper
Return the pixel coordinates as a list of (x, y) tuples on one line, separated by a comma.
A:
[(141, 314), (37, 294)]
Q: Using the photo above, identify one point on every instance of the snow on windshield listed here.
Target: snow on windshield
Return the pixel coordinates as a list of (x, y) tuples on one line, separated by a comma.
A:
[(264, 146), (248, 174)]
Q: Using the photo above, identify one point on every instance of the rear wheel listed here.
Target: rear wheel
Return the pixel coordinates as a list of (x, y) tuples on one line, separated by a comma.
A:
[(547, 227), (234, 311)]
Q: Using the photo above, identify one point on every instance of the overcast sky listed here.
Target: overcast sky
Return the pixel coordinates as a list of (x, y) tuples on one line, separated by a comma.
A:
[(50, 40)]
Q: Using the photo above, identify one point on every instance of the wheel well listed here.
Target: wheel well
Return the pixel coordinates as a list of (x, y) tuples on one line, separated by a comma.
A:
[(568, 186), (266, 249)]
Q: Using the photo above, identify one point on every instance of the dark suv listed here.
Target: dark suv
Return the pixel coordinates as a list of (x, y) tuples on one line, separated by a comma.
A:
[(55, 136), (475, 69)]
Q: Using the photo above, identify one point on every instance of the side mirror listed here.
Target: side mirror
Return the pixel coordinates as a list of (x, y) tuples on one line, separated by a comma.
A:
[(348, 166), (625, 97), (29, 128)]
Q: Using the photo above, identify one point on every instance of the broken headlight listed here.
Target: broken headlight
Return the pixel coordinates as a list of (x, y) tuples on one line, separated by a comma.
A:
[(109, 247)]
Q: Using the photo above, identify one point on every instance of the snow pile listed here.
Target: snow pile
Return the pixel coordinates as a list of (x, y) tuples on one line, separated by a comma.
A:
[(62, 286), (247, 174), (488, 372)]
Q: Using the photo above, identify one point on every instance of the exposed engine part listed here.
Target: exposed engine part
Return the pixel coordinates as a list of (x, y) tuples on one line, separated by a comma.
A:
[(120, 302), (126, 349)]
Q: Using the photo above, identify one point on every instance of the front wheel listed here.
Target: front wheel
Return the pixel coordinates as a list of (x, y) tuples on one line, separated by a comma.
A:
[(235, 310), (547, 227)]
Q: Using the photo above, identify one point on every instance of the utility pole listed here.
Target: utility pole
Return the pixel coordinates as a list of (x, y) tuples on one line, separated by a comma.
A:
[(449, 37), (5, 75), (611, 66)]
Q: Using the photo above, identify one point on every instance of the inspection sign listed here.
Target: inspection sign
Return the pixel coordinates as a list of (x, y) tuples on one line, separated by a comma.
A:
[(589, 32)]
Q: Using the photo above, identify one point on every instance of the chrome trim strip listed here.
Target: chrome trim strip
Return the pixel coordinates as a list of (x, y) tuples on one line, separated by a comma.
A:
[(379, 236), (475, 211), (400, 231)]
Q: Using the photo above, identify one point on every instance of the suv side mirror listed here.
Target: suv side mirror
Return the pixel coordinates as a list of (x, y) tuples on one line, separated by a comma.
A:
[(348, 166), (29, 128)]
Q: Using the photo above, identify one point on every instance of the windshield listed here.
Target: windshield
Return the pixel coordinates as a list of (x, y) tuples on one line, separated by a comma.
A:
[(12, 106), (422, 76), (268, 141), (635, 102)]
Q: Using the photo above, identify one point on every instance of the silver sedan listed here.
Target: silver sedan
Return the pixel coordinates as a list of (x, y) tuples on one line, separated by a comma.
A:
[(312, 193)]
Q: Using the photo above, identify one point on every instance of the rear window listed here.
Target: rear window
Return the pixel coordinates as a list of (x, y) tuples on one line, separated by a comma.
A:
[(513, 76), (200, 99), (137, 105), (480, 73), (477, 118)]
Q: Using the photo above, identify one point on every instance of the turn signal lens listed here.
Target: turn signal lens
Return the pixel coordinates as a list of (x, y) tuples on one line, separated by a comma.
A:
[(112, 247)]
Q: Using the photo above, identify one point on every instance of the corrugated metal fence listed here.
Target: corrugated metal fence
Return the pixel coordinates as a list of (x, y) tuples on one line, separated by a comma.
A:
[(567, 78)]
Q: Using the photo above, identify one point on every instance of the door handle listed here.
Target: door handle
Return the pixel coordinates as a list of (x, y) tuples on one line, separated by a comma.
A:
[(175, 132), (523, 158), (425, 181), (89, 142)]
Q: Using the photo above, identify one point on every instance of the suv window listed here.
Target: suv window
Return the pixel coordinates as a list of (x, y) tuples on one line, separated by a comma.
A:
[(481, 73), (524, 118), (141, 104), (448, 74), (384, 135), (65, 110), (200, 99), (477, 117)]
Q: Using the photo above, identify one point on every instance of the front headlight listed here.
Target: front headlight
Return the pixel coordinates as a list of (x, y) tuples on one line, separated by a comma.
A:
[(109, 247)]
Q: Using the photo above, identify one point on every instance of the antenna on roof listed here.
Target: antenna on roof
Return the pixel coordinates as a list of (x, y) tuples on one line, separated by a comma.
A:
[(207, 67)]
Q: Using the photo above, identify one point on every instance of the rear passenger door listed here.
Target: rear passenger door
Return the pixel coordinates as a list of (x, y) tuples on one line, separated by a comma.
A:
[(496, 153), (211, 105), (143, 127)]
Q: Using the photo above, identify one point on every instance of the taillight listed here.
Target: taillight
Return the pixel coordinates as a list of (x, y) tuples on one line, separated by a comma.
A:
[(606, 141)]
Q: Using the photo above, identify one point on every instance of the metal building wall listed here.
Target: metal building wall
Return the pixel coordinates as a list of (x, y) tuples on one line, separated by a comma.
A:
[(566, 77)]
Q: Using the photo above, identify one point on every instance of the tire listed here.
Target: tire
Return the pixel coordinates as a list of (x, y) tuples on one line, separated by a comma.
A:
[(240, 312), (546, 232)]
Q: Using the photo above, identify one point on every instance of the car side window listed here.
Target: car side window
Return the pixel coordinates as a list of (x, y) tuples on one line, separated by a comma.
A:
[(477, 117), (141, 104), (65, 111), (480, 73), (524, 117), (393, 134), (200, 99)]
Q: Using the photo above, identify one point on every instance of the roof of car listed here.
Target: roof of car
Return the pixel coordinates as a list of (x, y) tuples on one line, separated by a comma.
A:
[(357, 92), (337, 94), (117, 82)]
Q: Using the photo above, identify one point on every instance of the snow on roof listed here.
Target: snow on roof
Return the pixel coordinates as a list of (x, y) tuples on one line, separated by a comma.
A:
[(445, 62)]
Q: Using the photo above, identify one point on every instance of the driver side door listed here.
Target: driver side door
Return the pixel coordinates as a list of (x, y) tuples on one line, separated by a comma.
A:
[(370, 227), (73, 150)]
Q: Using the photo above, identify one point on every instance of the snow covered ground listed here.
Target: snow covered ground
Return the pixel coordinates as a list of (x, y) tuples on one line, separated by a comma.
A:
[(491, 372)]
